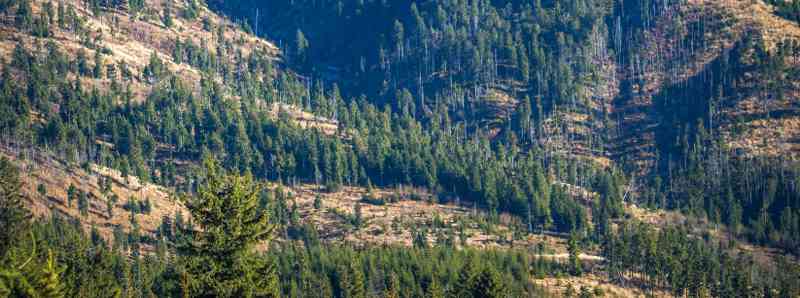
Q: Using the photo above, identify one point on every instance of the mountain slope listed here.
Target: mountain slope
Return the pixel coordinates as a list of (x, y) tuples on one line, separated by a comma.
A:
[(674, 54), (646, 144)]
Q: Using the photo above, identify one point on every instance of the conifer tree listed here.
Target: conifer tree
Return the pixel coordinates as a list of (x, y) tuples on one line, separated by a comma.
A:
[(72, 192), (392, 286), (574, 252), (220, 261), (356, 286), (50, 278), (489, 284), (83, 203), (42, 190), (466, 280), (98, 64), (13, 215), (24, 16), (301, 47)]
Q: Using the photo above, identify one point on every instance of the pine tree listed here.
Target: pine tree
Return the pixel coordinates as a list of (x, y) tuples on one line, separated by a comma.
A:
[(221, 261), (489, 284), (356, 287), (72, 192), (98, 65), (301, 47), (466, 280), (24, 16), (83, 203), (62, 15), (574, 252), (110, 202), (13, 215), (167, 18), (50, 278), (398, 36), (420, 238), (318, 202), (392, 286), (434, 290), (83, 64), (42, 190), (358, 217)]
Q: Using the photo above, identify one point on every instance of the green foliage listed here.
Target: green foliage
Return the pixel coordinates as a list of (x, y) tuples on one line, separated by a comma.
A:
[(789, 9), (24, 15), (358, 217), (41, 190), (167, 17), (318, 202), (191, 10), (136, 5), (83, 203), (574, 255), (420, 238), (72, 194), (220, 261), (688, 265), (425, 69), (26, 278), (489, 284), (13, 215), (98, 64), (50, 278), (301, 48)]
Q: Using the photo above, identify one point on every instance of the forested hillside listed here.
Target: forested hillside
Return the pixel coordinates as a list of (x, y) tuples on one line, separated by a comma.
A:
[(694, 100), (459, 148)]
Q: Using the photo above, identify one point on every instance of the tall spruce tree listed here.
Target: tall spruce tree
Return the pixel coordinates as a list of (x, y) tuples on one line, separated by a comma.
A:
[(13, 215), (221, 261)]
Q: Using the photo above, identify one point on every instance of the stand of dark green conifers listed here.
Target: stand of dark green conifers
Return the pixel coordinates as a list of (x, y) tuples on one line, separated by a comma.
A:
[(413, 100), (53, 257)]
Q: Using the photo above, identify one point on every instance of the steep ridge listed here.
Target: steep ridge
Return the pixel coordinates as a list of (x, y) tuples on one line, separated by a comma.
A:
[(127, 40), (114, 48), (764, 122), (129, 56), (680, 51)]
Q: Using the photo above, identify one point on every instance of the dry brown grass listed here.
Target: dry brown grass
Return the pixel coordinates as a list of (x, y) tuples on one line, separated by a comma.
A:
[(756, 15), (762, 136), (769, 137), (134, 38), (559, 285), (393, 222), (57, 176)]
